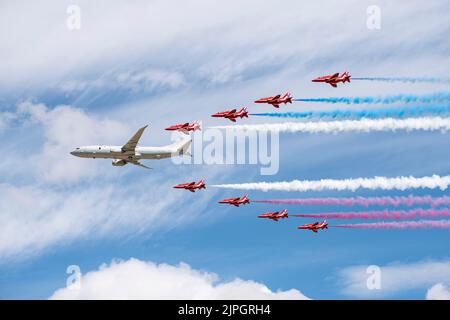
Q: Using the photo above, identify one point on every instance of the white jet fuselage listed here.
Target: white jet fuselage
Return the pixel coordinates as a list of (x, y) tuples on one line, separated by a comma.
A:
[(131, 152), (115, 152)]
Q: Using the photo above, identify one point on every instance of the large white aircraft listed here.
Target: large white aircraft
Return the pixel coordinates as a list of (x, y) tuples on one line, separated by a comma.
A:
[(131, 153)]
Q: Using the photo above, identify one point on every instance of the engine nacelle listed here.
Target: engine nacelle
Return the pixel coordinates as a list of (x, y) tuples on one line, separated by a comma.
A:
[(119, 162)]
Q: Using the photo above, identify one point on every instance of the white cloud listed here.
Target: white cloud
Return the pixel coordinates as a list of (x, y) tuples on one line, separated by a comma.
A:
[(60, 198), (37, 217), (395, 278), (133, 81), (438, 292), (64, 128), (217, 43), (5, 120), (136, 279)]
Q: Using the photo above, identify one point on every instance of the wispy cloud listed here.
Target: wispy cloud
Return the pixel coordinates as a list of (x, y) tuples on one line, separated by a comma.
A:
[(67, 198), (395, 278)]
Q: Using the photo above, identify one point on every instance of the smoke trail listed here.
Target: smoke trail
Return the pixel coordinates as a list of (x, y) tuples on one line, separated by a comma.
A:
[(405, 98), (368, 113), (366, 202), (399, 183), (385, 214), (421, 224), (363, 125), (405, 79)]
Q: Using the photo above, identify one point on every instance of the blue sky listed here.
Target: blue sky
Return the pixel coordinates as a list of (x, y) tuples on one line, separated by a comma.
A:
[(163, 63)]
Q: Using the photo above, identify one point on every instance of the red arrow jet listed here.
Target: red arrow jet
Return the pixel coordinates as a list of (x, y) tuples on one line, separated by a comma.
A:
[(236, 201), (232, 114), (314, 226), (275, 101), (191, 186), (185, 127), (274, 215), (334, 79)]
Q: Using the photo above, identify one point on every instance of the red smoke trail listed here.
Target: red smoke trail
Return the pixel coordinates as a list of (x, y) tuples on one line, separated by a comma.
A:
[(385, 214), (422, 224), (365, 202)]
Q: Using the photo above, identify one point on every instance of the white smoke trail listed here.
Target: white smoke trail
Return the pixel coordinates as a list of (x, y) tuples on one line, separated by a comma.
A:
[(363, 125), (383, 183)]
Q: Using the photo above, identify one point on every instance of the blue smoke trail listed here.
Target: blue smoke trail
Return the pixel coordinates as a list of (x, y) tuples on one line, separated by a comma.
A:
[(367, 113), (405, 98), (406, 79)]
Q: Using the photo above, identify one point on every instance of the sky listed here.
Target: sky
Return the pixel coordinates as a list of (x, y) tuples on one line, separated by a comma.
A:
[(129, 233)]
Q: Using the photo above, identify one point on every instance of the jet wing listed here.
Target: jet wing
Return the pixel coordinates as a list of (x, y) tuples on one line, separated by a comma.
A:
[(332, 84), (137, 163), (276, 97), (314, 230), (132, 143), (335, 75)]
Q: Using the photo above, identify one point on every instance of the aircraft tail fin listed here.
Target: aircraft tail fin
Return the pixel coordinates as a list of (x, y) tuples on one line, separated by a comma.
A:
[(182, 147)]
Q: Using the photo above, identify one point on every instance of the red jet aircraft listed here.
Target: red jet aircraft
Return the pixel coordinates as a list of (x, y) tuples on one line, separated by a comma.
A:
[(276, 100), (191, 186), (274, 215), (314, 226), (236, 201), (334, 79), (185, 127), (232, 114)]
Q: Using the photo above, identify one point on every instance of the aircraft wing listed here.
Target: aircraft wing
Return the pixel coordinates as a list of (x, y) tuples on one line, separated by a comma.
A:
[(276, 97), (335, 75), (137, 163), (314, 230), (333, 84), (132, 143)]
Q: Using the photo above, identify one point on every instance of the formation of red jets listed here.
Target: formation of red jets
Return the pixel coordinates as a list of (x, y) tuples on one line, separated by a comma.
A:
[(234, 114), (275, 101)]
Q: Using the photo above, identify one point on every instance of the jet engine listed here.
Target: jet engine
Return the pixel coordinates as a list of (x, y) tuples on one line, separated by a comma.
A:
[(119, 162)]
